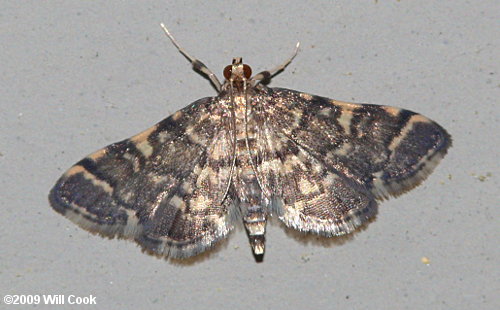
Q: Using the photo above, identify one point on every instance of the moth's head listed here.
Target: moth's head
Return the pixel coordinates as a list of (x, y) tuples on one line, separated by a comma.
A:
[(237, 71)]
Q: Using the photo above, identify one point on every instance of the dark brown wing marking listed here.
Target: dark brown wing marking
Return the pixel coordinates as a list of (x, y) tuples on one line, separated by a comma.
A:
[(325, 162), (162, 187), (385, 150)]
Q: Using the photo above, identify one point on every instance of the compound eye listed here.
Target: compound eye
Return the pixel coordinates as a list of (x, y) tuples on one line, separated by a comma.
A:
[(227, 72), (247, 71)]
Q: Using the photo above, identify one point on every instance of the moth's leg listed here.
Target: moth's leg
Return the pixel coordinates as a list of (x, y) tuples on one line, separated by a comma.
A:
[(198, 66), (266, 75)]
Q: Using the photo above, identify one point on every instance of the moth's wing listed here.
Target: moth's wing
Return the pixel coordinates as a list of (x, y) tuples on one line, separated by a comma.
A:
[(326, 162), (306, 194), (385, 150), (163, 187)]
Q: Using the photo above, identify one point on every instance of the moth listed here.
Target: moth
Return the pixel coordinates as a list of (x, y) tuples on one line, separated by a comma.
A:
[(319, 165)]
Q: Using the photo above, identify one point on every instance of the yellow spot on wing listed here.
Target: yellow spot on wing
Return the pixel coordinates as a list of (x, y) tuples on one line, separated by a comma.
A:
[(193, 136), (391, 110), (177, 115), (345, 120), (330, 179), (306, 96), (417, 118), (89, 176), (75, 170), (306, 187), (177, 202), (145, 148), (98, 154), (186, 187), (141, 141), (143, 135), (346, 105)]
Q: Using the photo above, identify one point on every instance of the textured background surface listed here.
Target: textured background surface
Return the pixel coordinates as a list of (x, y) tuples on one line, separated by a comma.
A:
[(78, 75)]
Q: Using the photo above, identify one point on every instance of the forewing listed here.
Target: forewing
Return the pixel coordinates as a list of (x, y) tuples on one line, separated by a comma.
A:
[(162, 187), (383, 150)]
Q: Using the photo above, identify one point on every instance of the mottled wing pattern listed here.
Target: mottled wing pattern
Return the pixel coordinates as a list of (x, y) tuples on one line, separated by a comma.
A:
[(162, 187), (306, 193), (328, 160)]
